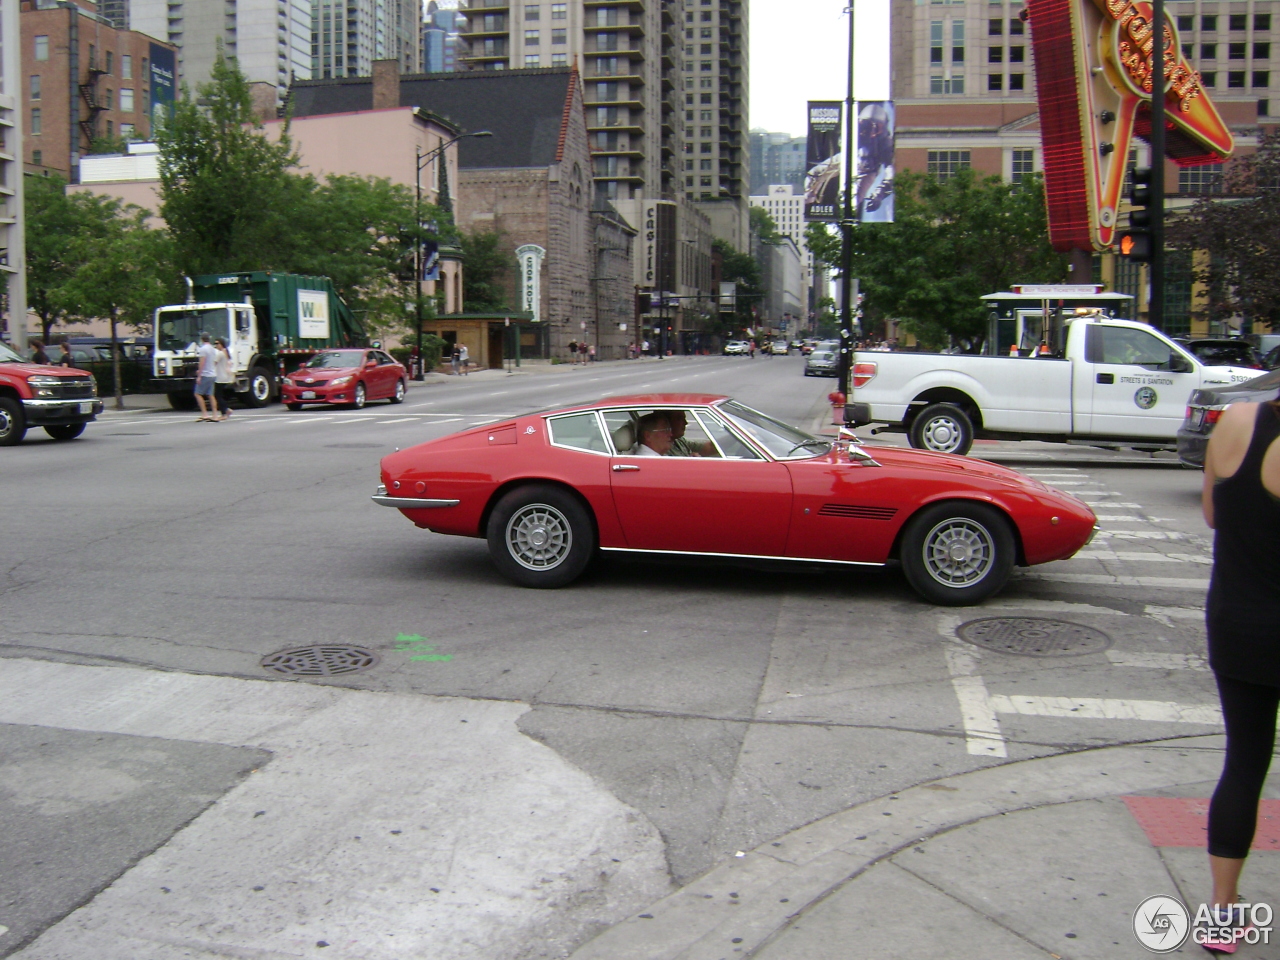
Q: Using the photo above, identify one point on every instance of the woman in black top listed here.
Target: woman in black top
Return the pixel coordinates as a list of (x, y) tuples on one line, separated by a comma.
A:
[(1241, 501)]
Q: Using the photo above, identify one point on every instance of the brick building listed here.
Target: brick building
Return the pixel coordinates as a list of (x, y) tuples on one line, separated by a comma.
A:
[(530, 181), (84, 80)]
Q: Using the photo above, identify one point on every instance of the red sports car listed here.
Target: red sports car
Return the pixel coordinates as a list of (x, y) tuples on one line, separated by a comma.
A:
[(348, 376), (707, 476)]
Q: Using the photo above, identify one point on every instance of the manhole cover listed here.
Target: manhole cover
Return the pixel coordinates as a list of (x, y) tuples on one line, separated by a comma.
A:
[(321, 660), (353, 446), (1034, 636)]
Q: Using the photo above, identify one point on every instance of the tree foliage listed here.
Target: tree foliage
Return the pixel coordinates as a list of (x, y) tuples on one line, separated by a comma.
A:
[(764, 226), (55, 220), (952, 242), (743, 270), (1239, 234), (485, 277)]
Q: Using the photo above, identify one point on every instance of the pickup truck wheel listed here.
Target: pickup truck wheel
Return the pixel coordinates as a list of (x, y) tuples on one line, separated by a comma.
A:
[(13, 422), (957, 553), (260, 387), (398, 396), (540, 536), (68, 431), (942, 428)]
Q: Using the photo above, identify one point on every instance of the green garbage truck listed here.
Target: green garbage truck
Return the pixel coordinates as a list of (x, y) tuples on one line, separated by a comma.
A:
[(272, 323)]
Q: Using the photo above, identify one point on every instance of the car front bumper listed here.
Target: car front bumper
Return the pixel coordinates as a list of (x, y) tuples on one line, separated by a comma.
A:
[(291, 394), (41, 413)]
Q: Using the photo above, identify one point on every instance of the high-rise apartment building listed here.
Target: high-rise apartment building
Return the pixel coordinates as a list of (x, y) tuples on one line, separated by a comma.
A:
[(346, 36), (440, 37), (785, 204), (776, 158), (270, 39)]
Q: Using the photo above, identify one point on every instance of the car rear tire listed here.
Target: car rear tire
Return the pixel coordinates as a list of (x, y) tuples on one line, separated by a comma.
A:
[(957, 553), (540, 536), (359, 396), (68, 431), (261, 389), (942, 428), (398, 396), (13, 422)]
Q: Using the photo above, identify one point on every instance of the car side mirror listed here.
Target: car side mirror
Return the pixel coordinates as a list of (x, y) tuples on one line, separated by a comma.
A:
[(1178, 363)]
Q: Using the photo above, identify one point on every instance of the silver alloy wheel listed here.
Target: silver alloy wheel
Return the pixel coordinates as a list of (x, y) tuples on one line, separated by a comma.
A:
[(959, 552), (399, 390), (6, 422), (539, 537), (359, 396), (942, 434)]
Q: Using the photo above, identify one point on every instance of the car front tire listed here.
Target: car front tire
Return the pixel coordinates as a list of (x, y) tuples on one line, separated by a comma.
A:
[(398, 396), (957, 553), (942, 428), (295, 407), (540, 536), (68, 431), (359, 396)]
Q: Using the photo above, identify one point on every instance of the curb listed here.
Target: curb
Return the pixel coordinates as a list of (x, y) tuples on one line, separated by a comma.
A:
[(745, 902)]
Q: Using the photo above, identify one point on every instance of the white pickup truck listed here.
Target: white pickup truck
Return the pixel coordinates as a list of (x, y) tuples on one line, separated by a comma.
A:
[(1116, 383)]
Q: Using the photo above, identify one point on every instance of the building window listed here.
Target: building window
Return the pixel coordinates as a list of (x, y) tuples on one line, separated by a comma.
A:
[(126, 101), (35, 86), (1017, 54), (606, 91), (946, 84), (533, 12), (37, 157), (995, 82), (945, 164), (1016, 81), (1262, 78), (1235, 78), (126, 131), (1236, 51), (42, 48), (1016, 27), (704, 98), (1238, 21), (1200, 180), (706, 83), (558, 11), (705, 50), (704, 115), (606, 66), (704, 164), (111, 129), (995, 55), (957, 41), (532, 60), (532, 38), (706, 181), (1262, 51), (1209, 79), (1209, 23), (1024, 164), (995, 28), (111, 61), (688, 181), (558, 35), (706, 16), (1262, 22), (935, 41), (1264, 108), (1186, 24), (1189, 51), (1208, 51), (688, 164), (35, 122), (705, 148), (126, 67), (559, 59)]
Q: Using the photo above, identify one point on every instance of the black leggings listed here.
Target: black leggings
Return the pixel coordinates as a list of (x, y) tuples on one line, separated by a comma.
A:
[(223, 392), (1249, 711)]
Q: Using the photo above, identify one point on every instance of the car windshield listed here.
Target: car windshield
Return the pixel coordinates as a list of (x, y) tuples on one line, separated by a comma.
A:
[(822, 355), (778, 438), (8, 356), (180, 329), (334, 359)]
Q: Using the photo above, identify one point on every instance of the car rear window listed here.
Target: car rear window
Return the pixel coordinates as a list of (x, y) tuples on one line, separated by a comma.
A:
[(581, 431)]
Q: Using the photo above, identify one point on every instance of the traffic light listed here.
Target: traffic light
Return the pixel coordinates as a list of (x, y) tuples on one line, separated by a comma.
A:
[(1137, 243)]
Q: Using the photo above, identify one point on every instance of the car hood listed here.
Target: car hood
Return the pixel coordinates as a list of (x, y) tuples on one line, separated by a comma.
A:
[(1228, 375), (42, 370), (326, 373), (905, 457)]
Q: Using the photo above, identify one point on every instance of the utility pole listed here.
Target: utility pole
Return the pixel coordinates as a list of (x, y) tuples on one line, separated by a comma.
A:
[(1155, 269), (846, 230)]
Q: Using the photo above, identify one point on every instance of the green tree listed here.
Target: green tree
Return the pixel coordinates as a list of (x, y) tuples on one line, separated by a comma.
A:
[(952, 242), (121, 275), (764, 226), (227, 192), (743, 270), (1238, 232), (485, 273)]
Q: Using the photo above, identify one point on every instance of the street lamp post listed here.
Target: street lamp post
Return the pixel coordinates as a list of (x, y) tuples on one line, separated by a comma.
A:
[(420, 161)]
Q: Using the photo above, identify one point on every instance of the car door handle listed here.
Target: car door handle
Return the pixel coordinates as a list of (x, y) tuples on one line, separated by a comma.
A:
[(619, 467), (1106, 378)]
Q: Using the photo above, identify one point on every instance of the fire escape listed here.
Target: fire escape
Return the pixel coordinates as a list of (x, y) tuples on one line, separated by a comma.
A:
[(93, 106)]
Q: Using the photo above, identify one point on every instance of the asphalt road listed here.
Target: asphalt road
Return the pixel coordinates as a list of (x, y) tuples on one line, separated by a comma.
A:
[(726, 705)]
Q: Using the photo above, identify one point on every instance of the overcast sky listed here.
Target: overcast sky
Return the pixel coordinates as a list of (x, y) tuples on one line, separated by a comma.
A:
[(799, 52)]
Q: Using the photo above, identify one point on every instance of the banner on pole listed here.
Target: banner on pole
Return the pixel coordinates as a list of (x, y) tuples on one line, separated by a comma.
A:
[(875, 161), (822, 161)]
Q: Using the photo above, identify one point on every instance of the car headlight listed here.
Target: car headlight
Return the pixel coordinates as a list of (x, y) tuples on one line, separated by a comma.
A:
[(43, 386), (340, 382)]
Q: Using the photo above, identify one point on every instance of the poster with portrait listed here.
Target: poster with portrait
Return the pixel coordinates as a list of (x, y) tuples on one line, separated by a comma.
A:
[(875, 161), (822, 161)]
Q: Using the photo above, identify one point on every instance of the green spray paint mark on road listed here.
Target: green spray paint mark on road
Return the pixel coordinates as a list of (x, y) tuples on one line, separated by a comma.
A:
[(419, 647)]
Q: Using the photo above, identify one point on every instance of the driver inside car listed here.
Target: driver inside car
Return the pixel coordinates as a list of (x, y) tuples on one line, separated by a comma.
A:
[(680, 445)]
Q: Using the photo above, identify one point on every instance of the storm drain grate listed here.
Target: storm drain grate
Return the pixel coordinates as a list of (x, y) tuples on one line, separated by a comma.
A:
[(320, 660), (1033, 636)]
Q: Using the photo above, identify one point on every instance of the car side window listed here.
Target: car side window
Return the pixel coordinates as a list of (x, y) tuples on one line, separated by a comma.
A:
[(730, 446), (580, 431), (384, 358), (1135, 347)]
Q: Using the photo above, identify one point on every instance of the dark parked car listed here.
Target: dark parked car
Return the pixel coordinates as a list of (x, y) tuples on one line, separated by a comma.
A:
[(1225, 352), (1206, 406), (1272, 359)]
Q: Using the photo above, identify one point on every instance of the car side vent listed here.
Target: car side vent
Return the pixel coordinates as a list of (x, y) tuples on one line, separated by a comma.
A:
[(862, 513)]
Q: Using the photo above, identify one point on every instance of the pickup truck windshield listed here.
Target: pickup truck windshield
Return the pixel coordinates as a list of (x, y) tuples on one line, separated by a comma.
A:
[(180, 329), (778, 438)]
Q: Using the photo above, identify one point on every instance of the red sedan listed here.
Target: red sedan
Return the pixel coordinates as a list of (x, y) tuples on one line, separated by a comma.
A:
[(350, 376), (706, 476)]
